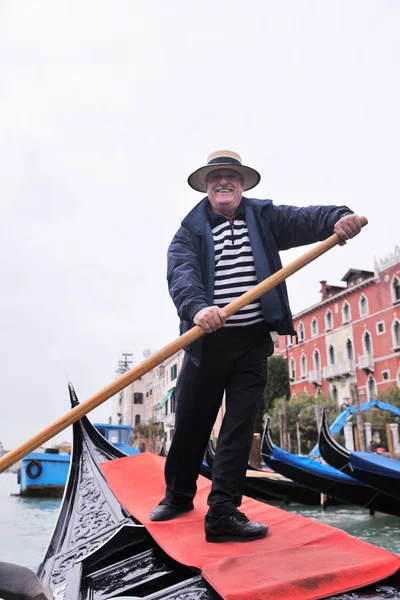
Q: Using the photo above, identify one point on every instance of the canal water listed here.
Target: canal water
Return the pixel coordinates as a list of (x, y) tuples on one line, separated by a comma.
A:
[(26, 524)]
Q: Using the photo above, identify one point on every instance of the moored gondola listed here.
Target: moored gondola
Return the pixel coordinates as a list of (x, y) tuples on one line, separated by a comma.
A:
[(379, 472), (265, 486), (205, 470), (99, 551), (324, 479)]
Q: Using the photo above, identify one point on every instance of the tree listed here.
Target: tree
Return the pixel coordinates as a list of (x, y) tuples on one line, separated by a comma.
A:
[(278, 381), (146, 430), (277, 387), (301, 409), (379, 418)]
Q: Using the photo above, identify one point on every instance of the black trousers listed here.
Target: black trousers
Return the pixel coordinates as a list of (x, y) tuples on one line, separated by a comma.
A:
[(235, 360)]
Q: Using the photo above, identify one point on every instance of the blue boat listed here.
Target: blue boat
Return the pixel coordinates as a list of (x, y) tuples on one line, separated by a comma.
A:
[(44, 474), (377, 471), (326, 479)]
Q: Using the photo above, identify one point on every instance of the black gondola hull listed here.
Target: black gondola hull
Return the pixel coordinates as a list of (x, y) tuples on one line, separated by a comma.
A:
[(344, 492), (338, 457)]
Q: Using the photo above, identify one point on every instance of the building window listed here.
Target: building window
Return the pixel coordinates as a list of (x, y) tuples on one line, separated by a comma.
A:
[(363, 306), (137, 398), (396, 334), (328, 320), (385, 375), (367, 343), (317, 361), (314, 327), (289, 339), (292, 369), (380, 327), (346, 315), (318, 392), (303, 366), (137, 420), (173, 402), (301, 333), (398, 378), (349, 349), (331, 353), (174, 371), (396, 290), (371, 388)]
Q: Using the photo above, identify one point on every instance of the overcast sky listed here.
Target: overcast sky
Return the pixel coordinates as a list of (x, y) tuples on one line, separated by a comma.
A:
[(105, 109)]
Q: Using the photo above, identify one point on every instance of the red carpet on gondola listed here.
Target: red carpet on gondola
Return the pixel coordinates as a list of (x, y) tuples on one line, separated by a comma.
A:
[(299, 559)]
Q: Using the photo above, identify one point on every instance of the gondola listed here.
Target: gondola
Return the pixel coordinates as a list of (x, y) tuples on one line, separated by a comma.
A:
[(324, 478), (379, 472), (267, 486), (98, 551), (205, 470)]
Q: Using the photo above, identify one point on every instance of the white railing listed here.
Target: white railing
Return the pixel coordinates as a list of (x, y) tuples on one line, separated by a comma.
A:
[(345, 367), (340, 369), (366, 362), (315, 377), (329, 372)]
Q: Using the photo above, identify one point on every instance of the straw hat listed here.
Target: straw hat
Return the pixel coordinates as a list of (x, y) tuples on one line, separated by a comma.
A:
[(223, 159)]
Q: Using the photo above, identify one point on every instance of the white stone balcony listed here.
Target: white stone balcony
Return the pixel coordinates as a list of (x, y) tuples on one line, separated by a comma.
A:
[(329, 372), (366, 362), (340, 369), (315, 377), (345, 367)]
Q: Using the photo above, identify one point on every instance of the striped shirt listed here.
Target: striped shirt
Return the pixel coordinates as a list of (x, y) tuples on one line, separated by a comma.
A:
[(235, 271)]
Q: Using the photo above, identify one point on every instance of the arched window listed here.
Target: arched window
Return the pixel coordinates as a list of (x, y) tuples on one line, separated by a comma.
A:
[(318, 392), (346, 314), (349, 349), (301, 332), (335, 393), (331, 353), (303, 366), (328, 320), (317, 360), (396, 333), (363, 306), (292, 369), (137, 420), (367, 343), (314, 327), (371, 387), (396, 289)]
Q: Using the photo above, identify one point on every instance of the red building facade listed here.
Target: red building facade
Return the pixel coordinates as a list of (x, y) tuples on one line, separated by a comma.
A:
[(351, 336)]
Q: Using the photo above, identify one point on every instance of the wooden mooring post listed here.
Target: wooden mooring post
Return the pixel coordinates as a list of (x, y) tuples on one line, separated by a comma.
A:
[(389, 435)]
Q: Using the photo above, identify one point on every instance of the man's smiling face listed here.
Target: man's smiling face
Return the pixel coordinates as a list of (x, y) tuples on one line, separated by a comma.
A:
[(224, 190)]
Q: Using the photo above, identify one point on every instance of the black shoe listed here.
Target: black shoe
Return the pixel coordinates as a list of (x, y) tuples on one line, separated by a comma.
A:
[(167, 511), (233, 528)]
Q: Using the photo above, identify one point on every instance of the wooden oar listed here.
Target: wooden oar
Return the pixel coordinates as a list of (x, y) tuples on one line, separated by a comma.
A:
[(157, 358)]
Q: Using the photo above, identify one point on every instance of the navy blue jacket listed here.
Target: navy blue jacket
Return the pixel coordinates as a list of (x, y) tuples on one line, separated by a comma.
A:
[(191, 260)]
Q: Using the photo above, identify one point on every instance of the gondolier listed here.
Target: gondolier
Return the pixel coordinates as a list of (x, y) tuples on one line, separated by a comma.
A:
[(226, 245)]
